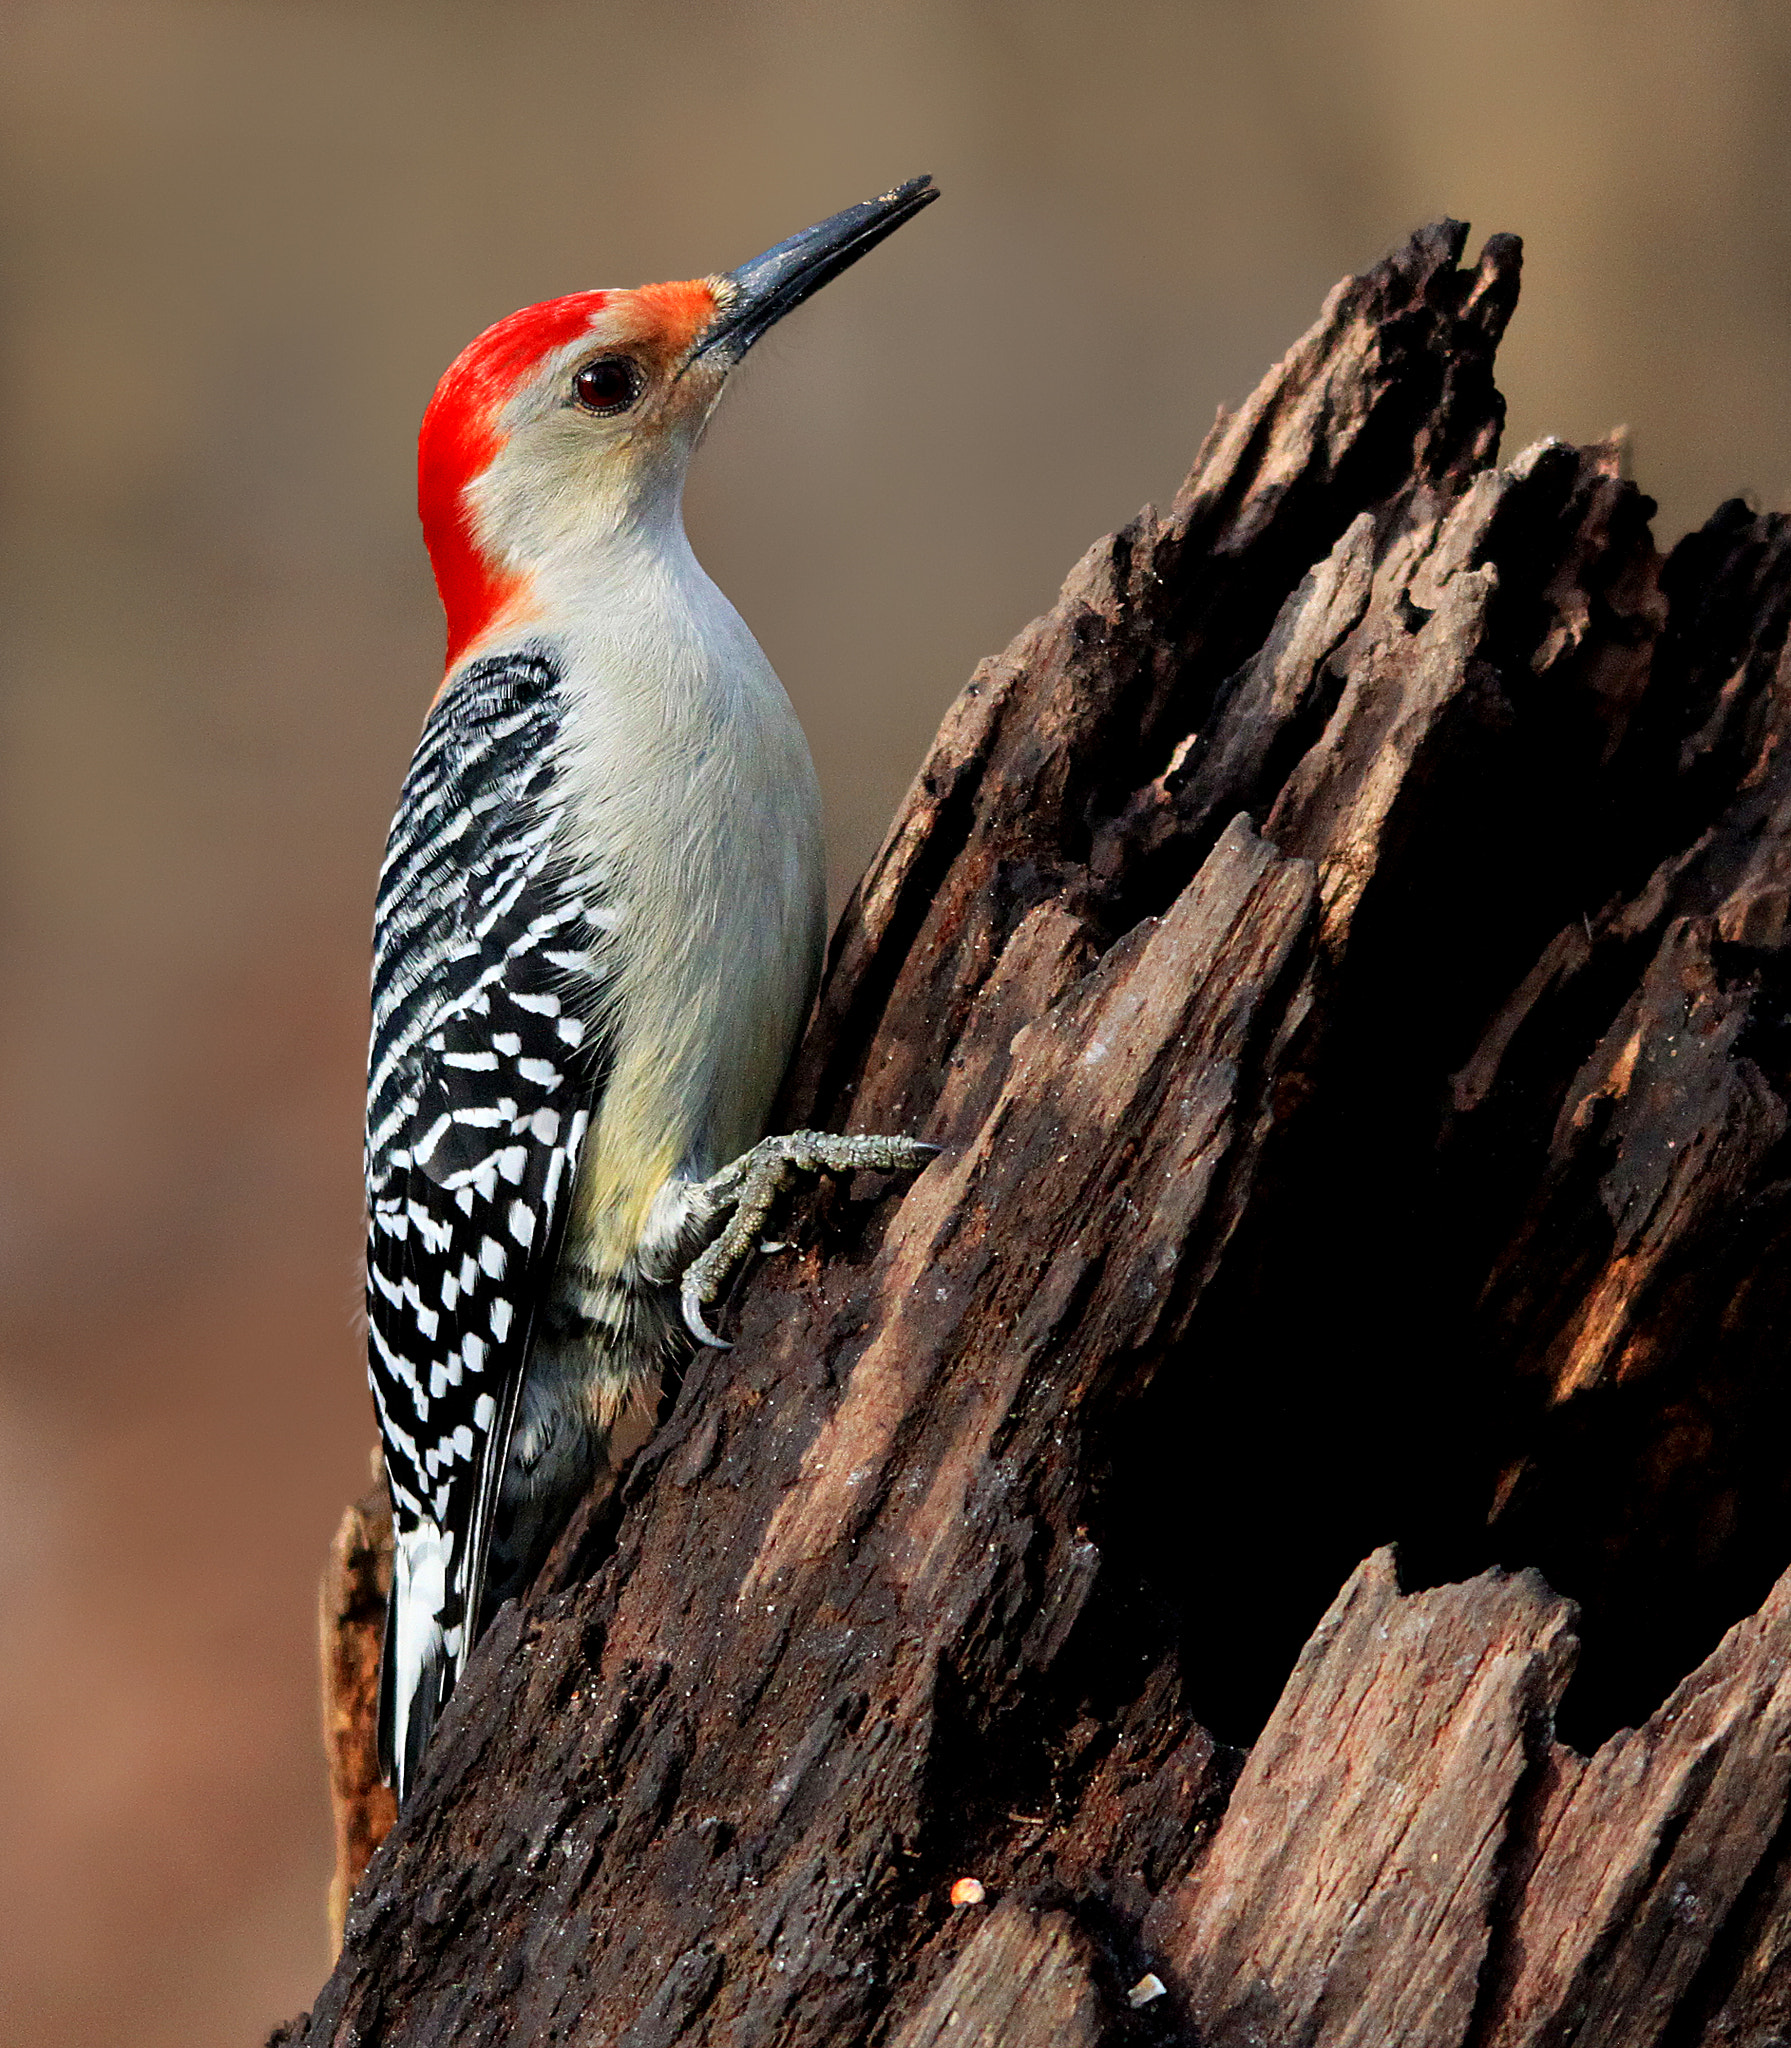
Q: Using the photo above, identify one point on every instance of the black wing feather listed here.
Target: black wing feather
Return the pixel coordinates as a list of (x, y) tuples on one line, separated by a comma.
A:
[(485, 1064)]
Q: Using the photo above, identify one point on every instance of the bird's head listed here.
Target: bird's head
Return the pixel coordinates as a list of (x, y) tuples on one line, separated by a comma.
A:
[(571, 423)]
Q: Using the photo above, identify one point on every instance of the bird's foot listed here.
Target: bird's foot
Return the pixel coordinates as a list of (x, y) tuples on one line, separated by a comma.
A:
[(745, 1192)]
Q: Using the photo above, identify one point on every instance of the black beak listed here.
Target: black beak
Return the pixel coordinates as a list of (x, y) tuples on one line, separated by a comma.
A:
[(770, 286)]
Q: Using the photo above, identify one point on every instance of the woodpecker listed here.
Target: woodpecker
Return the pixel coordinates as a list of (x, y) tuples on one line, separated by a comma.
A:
[(597, 935)]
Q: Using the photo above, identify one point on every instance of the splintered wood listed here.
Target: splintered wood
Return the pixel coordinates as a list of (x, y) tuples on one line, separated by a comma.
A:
[(1342, 951), (351, 1624)]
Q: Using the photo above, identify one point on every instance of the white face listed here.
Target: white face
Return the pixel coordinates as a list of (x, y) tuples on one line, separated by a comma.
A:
[(597, 437)]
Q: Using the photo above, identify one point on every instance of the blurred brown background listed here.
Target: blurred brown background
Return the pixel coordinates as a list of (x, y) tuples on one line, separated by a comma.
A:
[(237, 244)]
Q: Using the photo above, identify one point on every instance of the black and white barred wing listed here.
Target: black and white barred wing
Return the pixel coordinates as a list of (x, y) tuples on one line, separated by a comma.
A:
[(483, 1072)]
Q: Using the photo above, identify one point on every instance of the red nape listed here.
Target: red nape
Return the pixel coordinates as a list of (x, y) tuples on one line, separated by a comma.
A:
[(458, 440)]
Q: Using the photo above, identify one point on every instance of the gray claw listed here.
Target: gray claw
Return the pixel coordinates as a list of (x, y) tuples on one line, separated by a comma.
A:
[(700, 1330)]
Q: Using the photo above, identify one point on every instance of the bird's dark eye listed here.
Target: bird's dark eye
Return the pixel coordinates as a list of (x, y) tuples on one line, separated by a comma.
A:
[(611, 384)]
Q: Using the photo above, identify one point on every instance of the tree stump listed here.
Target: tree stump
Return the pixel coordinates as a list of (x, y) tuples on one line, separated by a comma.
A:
[(1342, 951)]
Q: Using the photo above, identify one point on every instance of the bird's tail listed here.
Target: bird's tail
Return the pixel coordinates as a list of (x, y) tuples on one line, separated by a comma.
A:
[(415, 1670)]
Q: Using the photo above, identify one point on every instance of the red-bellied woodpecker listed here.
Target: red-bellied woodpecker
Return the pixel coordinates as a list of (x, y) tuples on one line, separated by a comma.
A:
[(598, 932)]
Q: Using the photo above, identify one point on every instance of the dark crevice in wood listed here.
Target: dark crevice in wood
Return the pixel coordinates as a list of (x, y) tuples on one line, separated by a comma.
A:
[(1749, 1966)]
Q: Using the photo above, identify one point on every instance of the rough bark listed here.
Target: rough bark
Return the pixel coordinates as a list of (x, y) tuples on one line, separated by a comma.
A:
[(357, 1583), (1342, 951)]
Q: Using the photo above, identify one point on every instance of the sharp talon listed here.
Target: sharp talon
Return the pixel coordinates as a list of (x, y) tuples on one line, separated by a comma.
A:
[(700, 1330)]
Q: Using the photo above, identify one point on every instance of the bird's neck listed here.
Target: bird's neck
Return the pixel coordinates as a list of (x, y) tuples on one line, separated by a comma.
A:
[(617, 574), (634, 554), (634, 594)]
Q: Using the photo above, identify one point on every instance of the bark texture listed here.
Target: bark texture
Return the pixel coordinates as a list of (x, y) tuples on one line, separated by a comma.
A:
[(357, 1583), (1342, 949)]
